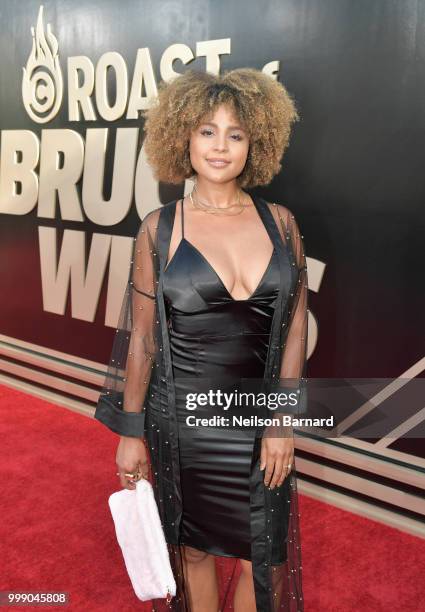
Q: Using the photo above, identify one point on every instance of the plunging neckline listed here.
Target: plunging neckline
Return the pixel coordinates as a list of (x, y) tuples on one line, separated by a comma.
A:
[(202, 256), (183, 240)]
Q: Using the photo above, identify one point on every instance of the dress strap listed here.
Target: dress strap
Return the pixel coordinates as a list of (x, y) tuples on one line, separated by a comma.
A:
[(182, 215)]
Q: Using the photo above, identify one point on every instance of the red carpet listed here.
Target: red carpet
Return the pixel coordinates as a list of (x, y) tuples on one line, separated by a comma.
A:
[(56, 531)]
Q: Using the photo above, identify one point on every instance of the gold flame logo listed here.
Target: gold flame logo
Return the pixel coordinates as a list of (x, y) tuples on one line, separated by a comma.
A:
[(42, 83)]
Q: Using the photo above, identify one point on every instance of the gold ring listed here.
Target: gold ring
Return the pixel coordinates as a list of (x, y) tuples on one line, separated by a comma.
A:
[(134, 476)]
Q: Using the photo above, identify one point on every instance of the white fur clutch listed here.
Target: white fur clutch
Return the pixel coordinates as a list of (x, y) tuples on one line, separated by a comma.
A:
[(142, 541)]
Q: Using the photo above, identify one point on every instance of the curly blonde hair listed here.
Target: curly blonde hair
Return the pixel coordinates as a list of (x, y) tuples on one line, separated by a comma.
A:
[(262, 105)]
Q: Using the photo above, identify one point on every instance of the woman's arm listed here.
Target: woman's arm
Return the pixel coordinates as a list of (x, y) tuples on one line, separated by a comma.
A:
[(294, 347), (278, 445), (132, 451), (142, 346), (121, 404)]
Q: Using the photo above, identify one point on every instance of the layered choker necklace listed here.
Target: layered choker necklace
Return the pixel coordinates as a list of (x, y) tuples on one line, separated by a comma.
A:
[(217, 210)]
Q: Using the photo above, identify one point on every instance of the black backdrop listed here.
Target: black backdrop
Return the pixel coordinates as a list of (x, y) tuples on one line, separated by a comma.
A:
[(353, 174)]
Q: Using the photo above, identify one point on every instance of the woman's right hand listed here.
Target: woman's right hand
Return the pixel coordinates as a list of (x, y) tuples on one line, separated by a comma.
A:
[(132, 454)]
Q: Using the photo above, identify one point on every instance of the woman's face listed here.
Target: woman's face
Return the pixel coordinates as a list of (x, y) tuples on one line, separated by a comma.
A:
[(219, 147)]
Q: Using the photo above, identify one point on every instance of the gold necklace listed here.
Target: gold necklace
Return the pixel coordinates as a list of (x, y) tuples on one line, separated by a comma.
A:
[(222, 207), (217, 209), (214, 210)]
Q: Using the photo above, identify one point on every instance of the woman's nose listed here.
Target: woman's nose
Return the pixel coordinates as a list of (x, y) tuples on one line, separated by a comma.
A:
[(220, 144)]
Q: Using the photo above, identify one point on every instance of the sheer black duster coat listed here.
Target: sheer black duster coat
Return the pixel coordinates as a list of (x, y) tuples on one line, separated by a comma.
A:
[(138, 398)]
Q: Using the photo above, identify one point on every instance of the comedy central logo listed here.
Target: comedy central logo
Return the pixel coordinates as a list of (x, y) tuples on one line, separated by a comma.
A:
[(42, 83)]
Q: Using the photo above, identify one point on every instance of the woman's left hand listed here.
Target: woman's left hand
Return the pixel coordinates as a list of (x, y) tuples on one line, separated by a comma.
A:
[(277, 458)]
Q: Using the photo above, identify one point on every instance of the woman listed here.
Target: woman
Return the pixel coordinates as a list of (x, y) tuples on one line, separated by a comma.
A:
[(216, 302)]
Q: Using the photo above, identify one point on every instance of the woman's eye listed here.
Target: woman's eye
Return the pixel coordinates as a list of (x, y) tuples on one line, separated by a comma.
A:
[(207, 132)]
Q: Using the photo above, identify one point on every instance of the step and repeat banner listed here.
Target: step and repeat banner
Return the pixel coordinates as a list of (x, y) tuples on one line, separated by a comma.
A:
[(74, 184)]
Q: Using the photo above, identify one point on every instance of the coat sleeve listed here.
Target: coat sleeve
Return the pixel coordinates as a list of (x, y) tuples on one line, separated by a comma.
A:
[(292, 380), (121, 404)]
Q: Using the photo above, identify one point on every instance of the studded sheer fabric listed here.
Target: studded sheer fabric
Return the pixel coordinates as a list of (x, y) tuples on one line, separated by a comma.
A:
[(138, 398)]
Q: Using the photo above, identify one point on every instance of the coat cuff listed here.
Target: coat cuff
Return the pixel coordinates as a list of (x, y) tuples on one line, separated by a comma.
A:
[(296, 400), (118, 420)]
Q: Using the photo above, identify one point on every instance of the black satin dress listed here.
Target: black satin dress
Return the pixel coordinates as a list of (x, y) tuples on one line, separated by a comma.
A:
[(216, 342)]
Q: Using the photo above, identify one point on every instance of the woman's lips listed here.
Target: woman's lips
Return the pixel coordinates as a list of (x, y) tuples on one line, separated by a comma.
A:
[(218, 163)]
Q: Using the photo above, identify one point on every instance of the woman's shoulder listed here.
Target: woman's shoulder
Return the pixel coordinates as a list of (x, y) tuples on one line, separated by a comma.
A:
[(153, 215), (281, 210), (149, 222)]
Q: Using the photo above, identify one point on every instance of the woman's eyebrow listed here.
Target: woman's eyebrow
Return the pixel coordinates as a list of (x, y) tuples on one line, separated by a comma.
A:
[(231, 127)]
